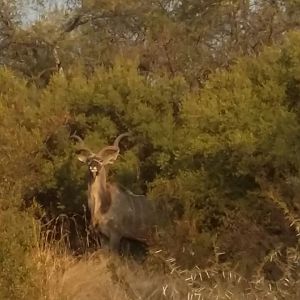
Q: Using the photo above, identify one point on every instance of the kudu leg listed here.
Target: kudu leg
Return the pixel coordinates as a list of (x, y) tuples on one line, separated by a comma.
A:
[(114, 242), (104, 241)]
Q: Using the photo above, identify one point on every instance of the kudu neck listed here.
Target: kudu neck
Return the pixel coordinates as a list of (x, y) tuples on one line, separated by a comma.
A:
[(101, 177), (99, 183)]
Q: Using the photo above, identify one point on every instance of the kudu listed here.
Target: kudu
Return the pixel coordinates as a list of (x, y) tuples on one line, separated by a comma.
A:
[(116, 213)]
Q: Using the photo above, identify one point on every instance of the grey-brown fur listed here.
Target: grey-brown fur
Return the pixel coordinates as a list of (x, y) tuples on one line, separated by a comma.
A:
[(115, 212)]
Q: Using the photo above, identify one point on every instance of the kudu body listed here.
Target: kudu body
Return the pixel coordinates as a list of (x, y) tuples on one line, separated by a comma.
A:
[(115, 212)]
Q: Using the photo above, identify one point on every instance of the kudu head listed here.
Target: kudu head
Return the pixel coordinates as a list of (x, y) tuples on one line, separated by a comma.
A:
[(105, 156)]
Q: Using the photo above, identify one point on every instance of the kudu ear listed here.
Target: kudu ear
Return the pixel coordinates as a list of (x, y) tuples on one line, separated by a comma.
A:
[(82, 158), (83, 155)]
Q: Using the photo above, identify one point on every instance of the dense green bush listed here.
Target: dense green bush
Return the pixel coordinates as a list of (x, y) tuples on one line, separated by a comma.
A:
[(21, 152), (17, 241), (209, 157)]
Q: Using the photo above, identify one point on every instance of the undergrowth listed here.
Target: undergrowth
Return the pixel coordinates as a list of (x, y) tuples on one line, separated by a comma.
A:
[(106, 276), (102, 275)]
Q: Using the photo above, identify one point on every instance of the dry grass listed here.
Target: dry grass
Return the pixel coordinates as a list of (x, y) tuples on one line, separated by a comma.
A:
[(102, 275), (99, 276), (105, 276)]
